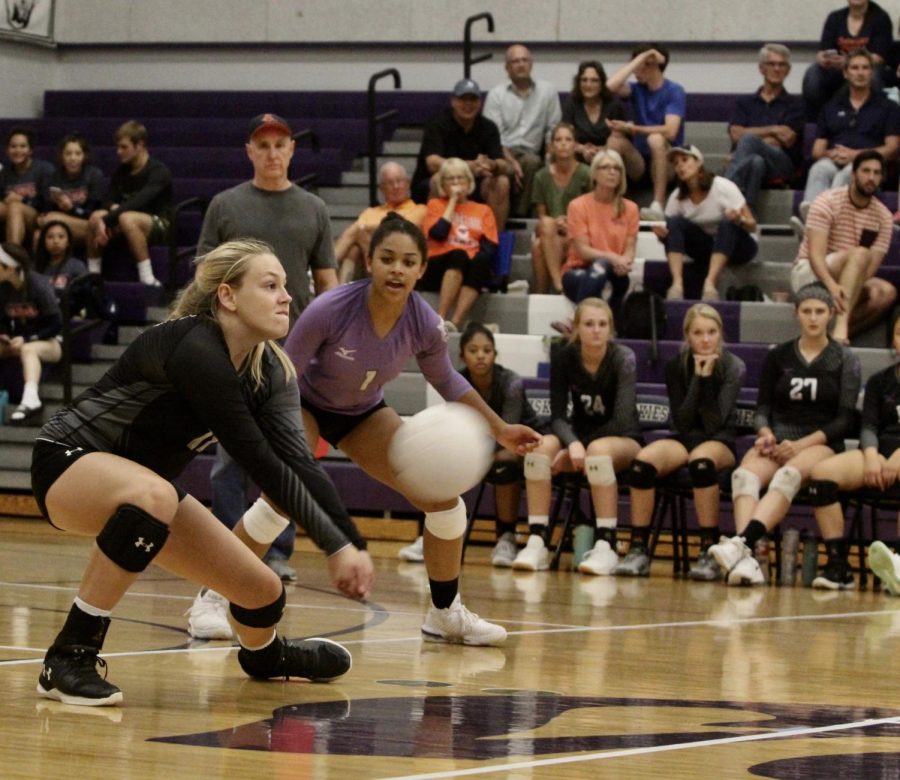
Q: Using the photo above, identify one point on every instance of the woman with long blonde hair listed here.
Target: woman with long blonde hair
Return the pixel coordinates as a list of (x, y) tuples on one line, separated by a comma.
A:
[(703, 384), (599, 437), (102, 467)]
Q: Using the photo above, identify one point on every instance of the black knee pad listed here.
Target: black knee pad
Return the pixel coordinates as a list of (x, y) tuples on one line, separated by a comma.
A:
[(642, 475), (823, 492), (505, 472), (261, 617), (132, 538), (703, 473)]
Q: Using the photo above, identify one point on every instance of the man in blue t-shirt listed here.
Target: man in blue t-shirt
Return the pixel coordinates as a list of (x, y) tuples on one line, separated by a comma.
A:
[(658, 107)]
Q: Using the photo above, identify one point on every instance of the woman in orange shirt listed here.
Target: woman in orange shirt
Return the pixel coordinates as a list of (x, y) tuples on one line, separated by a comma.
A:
[(603, 227), (462, 239)]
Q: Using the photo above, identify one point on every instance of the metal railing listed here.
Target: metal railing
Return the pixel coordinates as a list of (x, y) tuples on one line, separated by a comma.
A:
[(374, 121), (468, 60)]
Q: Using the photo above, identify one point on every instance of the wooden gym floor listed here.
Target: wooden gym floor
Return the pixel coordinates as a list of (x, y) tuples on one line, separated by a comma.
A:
[(600, 678)]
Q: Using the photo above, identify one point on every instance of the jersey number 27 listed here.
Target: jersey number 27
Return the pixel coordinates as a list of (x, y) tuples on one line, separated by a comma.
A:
[(798, 384)]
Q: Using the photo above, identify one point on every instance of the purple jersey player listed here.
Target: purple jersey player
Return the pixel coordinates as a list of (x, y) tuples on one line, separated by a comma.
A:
[(346, 345)]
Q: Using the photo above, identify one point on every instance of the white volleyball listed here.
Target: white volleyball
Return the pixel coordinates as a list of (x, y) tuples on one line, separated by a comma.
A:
[(441, 452)]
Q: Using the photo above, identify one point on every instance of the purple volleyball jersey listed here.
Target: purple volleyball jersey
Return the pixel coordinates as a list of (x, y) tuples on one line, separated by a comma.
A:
[(342, 364)]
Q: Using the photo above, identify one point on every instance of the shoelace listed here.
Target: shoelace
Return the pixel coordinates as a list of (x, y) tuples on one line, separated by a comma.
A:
[(87, 660)]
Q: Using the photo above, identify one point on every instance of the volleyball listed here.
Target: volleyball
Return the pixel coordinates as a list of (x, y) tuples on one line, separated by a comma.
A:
[(441, 452)]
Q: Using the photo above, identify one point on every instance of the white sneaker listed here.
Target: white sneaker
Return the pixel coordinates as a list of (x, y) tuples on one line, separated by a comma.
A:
[(729, 551), (653, 213), (208, 617), (602, 559), (457, 624), (886, 566), (505, 551), (414, 553), (534, 556), (746, 572)]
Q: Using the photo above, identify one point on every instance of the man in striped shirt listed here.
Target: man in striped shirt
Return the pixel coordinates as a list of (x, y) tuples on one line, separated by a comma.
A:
[(847, 235)]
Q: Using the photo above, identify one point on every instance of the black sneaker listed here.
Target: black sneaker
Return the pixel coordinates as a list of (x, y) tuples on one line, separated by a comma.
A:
[(69, 675), (835, 576), (316, 659)]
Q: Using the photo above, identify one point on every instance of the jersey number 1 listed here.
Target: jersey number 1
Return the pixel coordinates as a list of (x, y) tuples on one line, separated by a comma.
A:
[(370, 375)]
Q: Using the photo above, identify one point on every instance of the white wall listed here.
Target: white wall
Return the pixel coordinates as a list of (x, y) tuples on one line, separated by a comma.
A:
[(102, 21), (269, 53)]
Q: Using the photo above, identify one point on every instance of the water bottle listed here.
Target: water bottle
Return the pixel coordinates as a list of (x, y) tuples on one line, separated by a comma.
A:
[(4, 400), (810, 559), (790, 543), (761, 552)]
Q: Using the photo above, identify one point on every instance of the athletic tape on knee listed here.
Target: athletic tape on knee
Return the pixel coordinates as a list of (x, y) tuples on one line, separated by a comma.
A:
[(745, 483), (703, 473), (262, 523), (642, 475), (787, 481), (132, 538), (823, 492), (537, 466), (447, 524), (599, 470), (260, 617)]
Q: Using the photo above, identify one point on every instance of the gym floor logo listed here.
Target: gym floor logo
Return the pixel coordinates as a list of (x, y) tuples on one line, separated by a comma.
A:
[(511, 724)]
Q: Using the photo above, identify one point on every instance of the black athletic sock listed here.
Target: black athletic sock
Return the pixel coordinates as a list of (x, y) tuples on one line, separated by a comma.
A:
[(604, 534), (443, 592), (753, 533), (640, 536), (835, 550), (505, 528), (708, 537), (83, 629), (537, 530)]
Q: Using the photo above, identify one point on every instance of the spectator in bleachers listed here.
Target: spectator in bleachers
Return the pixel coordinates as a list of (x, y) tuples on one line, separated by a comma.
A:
[(603, 227), (30, 324), (525, 111), (463, 131), (75, 190), (53, 257), (873, 466), (295, 223), (589, 105), (703, 384), (658, 108), (462, 239), (555, 186), (846, 238), (352, 245), (504, 392), (599, 437), (137, 206), (708, 220), (849, 124), (766, 128), (805, 409), (23, 182), (862, 24)]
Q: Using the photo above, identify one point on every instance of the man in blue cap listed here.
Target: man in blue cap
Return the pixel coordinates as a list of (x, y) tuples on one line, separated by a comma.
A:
[(463, 131)]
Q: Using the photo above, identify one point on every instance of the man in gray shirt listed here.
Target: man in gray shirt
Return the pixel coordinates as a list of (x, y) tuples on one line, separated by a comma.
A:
[(525, 111), (295, 223)]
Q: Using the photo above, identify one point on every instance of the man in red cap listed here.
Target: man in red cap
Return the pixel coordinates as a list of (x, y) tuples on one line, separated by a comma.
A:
[(296, 225)]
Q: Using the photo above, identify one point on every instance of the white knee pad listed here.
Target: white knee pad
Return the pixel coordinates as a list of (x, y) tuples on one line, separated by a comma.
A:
[(599, 470), (745, 483), (787, 481), (449, 523), (262, 523), (537, 466)]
